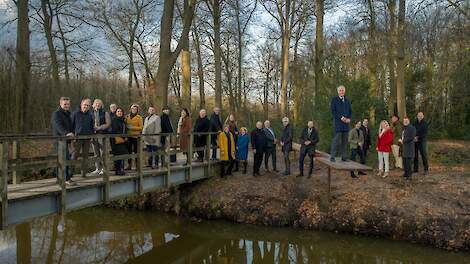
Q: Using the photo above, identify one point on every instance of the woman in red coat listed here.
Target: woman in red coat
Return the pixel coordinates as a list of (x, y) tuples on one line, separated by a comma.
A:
[(384, 147)]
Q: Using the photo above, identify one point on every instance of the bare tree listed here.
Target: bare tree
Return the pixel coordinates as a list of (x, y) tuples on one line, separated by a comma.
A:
[(167, 57)]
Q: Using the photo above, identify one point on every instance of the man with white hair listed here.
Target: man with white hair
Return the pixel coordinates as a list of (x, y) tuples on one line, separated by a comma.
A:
[(342, 112), (270, 150), (202, 125), (258, 144), (286, 143)]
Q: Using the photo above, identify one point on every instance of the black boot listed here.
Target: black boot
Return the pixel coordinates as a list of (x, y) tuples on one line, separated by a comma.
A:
[(245, 163), (236, 166)]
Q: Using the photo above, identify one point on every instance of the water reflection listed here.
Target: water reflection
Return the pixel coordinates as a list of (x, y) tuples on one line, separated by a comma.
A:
[(101, 235)]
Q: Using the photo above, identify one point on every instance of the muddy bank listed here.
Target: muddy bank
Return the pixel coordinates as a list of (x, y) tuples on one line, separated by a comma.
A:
[(432, 210)]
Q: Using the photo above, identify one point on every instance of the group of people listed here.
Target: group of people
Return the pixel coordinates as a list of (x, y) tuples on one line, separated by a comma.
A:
[(405, 141), (91, 119)]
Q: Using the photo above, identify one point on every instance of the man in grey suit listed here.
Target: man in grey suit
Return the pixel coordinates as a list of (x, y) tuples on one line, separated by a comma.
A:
[(408, 146), (270, 145)]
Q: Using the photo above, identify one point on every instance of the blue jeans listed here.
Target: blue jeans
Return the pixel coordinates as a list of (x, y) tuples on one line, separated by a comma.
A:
[(343, 136), (153, 159)]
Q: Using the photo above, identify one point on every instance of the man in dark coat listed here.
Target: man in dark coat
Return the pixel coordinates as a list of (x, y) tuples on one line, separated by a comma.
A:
[(421, 142), (408, 146), (83, 125), (167, 127), (367, 140), (308, 140), (270, 150), (202, 125), (61, 124), (341, 109), (258, 143), (286, 143), (216, 126)]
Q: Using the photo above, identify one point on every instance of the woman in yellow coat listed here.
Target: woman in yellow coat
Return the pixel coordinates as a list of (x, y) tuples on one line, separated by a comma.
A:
[(226, 143)]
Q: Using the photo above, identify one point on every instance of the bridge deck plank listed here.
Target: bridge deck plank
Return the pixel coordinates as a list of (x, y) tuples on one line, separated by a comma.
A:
[(45, 186)]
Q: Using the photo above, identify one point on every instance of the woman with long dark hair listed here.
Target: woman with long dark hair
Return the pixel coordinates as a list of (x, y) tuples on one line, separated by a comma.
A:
[(119, 144), (184, 129)]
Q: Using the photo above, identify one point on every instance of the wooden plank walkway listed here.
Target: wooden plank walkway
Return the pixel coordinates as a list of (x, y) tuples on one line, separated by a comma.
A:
[(339, 165), (26, 190)]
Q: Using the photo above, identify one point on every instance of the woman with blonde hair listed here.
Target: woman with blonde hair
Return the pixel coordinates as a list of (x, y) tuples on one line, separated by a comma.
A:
[(232, 124), (384, 147)]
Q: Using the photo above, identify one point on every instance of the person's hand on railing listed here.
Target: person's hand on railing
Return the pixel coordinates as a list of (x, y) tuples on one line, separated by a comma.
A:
[(69, 135)]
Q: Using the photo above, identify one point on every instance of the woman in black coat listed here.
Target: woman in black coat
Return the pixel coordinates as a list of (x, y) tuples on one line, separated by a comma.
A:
[(119, 144)]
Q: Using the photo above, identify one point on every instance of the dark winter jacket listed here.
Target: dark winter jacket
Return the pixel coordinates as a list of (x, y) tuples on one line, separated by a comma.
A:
[(286, 138), (258, 139), (313, 138), (82, 123), (421, 129), (367, 138), (408, 147), (118, 126), (216, 126), (201, 125), (338, 109), (61, 122), (167, 127)]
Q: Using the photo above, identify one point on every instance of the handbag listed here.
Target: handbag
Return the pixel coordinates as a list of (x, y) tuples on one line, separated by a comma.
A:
[(120, 140)]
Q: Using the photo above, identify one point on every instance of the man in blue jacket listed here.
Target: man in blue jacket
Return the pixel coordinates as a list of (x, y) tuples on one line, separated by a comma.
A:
[(341, 110), (83, 125)]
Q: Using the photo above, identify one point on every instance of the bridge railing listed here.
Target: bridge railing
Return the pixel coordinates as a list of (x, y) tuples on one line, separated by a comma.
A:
[(12, 164)]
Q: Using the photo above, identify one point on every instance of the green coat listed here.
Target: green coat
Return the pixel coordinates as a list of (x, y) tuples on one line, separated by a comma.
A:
[(354, 139), (396, 129)]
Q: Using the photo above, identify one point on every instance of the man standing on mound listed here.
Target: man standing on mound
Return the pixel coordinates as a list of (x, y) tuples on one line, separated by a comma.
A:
[(341, 110)]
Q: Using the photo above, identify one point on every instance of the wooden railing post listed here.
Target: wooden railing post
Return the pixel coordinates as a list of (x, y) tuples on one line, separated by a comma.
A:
[(61, 172), (4, 184), (105, 162), (140, 162), (208, 154), (190, 157), (167, 159), (15, 154)]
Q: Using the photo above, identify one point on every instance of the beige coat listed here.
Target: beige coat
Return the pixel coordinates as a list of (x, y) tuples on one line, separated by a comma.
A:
[(152, 125)]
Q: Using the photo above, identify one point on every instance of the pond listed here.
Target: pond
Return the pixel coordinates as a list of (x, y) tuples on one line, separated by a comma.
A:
[(103, 235)]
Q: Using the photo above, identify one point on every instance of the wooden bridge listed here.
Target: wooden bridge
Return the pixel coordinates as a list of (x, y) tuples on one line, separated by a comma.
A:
[(24, 200)]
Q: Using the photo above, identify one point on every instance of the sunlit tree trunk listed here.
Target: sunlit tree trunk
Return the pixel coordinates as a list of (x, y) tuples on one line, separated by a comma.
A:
[(401, 38)]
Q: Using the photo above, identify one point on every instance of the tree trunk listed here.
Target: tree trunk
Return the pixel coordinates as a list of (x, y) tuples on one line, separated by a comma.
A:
[(167, 58), (401, 103), (65, 51), (372, 60), (46, 8), (285, 60), (319, 46), (186, 74), (285, 72), (391, 57), (217, 54), (200, 70), (23, 65)]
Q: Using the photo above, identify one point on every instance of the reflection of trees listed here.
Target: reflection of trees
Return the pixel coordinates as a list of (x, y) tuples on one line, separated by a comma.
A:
[(101, 236)]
